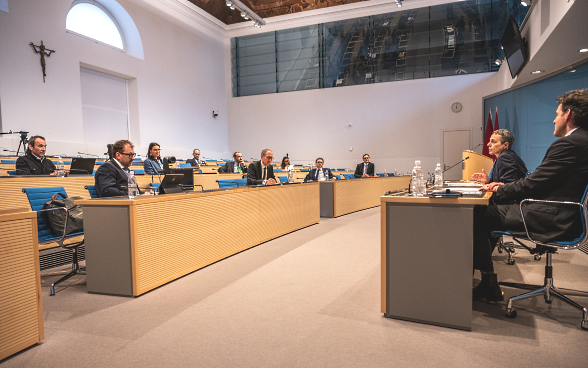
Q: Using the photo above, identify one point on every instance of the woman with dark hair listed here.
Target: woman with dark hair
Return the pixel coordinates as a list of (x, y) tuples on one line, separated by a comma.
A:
[(285, 166), (153, 164)]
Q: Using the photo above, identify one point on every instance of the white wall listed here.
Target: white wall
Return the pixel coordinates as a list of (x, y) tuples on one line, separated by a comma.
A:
[(175, 88), (395, 122)]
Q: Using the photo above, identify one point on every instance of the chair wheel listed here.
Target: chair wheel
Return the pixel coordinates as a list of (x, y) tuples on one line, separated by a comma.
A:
[(510, 313), (584, 325), (537, 257), (510, 262)]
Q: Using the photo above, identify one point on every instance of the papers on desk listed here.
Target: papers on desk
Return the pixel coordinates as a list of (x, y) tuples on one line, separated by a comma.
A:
[(459, 189)]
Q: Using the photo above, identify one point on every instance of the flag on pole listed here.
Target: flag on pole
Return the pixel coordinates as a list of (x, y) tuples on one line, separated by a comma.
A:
[(488, 134), (496, 127)]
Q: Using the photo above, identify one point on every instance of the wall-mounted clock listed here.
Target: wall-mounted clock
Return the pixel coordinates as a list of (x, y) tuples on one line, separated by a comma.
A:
[(456, 107)]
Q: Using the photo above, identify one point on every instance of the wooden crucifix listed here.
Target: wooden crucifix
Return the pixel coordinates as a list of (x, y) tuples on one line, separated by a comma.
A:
[(41, 49)]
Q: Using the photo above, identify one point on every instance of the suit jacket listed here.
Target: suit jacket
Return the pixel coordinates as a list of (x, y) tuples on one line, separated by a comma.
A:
[(508, 167), (359, 170), (230, 166), (562, 176), (152, 167), (313, 174), (30, 165), (193, 162), (254, 173), (111, 181)]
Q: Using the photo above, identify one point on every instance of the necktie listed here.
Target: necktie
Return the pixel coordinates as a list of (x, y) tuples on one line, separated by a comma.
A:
[(264, 173), (239, 168)]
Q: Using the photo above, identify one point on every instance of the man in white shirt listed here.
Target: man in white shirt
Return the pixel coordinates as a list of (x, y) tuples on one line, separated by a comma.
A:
[(261, 172), (320, 173)]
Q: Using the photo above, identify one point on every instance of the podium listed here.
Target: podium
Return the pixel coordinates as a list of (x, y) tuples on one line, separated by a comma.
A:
[(474, 164)]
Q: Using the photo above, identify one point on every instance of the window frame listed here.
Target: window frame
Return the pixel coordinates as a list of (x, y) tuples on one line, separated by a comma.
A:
[(112, 18)]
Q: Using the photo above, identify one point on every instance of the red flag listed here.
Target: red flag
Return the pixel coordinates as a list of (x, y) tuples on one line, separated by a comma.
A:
[(489, 131), (496, 121)]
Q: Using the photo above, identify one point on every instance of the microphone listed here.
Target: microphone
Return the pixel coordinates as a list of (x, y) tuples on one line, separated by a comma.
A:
[(88, 154), (473, 148), (7, 150), (452, 166)]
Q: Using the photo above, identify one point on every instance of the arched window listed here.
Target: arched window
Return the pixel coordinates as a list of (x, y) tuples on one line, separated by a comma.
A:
[(92, 21)]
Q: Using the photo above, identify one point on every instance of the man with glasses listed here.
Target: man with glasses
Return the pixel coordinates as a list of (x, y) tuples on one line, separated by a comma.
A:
[(112, 177), (365, 169), (237, 166), (320, 173), (261, 172), (35, 162)]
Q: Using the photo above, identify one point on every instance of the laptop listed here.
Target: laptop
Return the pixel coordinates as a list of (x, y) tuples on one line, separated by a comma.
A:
[(82, 166), (171, 183)]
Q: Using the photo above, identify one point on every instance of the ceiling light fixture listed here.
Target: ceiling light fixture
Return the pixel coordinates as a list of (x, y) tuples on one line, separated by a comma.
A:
[(229, 3), (537, 72), (583, 50), (243, 14), (399, 2), (524, 3), (246, 13)]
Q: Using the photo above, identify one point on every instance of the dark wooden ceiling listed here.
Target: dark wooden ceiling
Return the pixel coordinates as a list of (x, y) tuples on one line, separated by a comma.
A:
[(264, 8)]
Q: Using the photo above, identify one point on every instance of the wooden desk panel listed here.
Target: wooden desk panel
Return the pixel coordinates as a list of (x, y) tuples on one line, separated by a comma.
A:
[(21, 310), (173, 235), (359, 194)]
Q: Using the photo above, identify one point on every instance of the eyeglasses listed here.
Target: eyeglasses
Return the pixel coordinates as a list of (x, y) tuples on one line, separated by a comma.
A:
[(269, 157), (155, 149), (130, 155)]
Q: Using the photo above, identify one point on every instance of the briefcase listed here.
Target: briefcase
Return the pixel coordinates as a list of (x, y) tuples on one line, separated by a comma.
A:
[(56, 218)]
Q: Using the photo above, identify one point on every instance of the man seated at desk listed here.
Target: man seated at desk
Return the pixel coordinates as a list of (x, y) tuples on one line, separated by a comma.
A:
[(319, 173), (35, 162), (508, 166), (261, 172), (112, 177), (195, 162), (365, 169), (237, 166), (562, 176)]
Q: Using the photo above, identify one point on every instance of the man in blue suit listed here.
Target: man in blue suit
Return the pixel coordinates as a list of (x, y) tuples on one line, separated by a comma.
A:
[(320, 173)]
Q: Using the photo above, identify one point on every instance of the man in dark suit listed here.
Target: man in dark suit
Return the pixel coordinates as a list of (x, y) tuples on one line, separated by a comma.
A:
[(35, 162), (562, 176), (196, 160), (365, 169), (237, 166), (261, 172), (112, 177), (508, 166), (320, 173)]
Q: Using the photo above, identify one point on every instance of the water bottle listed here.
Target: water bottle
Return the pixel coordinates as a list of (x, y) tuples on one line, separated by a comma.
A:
[(290, 175), (132, 185), (60, 167), (418, 182), (385, 174), (395, 172), (438, 176)]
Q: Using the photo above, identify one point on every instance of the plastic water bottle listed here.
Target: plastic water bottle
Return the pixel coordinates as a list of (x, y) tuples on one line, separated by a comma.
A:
[(395, 172), (438, 176), (132, 185), (290, 175), (418, 181), (385, 173), (60, 167)]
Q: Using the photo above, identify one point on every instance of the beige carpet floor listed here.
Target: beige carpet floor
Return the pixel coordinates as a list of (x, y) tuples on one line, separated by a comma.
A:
[(308, 299)]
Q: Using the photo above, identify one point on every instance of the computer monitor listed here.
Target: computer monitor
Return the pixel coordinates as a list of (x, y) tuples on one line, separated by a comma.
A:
[(188, 177), (171, 183)]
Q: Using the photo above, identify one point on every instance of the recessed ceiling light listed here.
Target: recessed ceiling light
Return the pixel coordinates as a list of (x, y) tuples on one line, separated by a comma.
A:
[(583, 50), (537, 72), (573, 71)]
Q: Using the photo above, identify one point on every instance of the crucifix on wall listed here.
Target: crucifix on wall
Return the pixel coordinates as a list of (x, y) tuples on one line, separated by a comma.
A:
[(41, 49)]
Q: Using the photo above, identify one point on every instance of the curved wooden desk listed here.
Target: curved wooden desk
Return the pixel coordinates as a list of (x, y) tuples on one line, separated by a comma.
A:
[(133, 246), (21, 310)]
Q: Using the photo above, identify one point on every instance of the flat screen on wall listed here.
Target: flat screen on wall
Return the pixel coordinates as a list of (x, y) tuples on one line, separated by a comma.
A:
[(514, 47)]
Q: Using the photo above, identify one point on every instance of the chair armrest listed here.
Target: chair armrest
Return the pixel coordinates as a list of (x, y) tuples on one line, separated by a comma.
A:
[(584, 214)]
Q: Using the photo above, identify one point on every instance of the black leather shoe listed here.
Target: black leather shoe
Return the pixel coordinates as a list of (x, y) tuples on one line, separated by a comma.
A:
[(488, 289)]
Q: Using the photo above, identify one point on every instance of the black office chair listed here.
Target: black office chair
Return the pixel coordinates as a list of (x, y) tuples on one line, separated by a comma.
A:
[(548, 290)]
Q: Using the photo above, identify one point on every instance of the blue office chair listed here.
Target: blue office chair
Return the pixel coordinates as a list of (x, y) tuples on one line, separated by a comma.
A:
[(283, 179), (139, 171), (155, 186), (98, 162), (11, 172), (304, 170), (342, 176), (92, 190), (241, 182), (8, 161), (228, 183), (381, 175), (277, 170), (37, 198), (548, 290), (185, 165), (349, 176)]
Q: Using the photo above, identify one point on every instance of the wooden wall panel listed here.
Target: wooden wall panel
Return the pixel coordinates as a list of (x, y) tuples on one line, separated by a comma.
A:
[(21, 323), (358, 194)]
